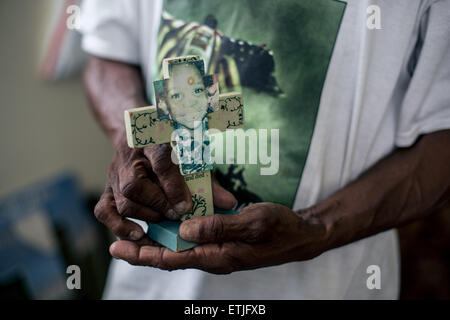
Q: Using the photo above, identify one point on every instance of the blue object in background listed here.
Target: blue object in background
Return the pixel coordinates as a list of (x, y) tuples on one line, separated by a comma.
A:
[(40, 227)]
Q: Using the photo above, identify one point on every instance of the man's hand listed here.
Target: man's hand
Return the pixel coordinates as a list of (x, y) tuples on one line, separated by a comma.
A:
[(145, 184), (406, 185), (263, 234), (142, 183)]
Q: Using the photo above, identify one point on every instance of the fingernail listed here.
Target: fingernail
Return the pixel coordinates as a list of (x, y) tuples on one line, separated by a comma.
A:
[(182, 207), (135, 235), (171, 214), (111, 250)]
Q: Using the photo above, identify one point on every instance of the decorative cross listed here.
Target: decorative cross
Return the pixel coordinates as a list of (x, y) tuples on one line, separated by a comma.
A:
[(188, 104)]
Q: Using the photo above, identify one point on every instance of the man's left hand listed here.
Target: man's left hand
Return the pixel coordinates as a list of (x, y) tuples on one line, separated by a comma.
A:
[(261, 235)]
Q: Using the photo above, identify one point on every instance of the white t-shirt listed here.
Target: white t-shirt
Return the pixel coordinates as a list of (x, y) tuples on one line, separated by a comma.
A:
[(384, 87)]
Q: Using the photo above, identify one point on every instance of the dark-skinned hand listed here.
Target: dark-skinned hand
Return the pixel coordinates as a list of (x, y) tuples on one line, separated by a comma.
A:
[(146, 185), (263, 234)]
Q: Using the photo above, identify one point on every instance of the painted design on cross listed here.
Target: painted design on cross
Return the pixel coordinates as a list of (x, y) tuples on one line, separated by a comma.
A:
[(198, 207), (233, 104), (139, 125)]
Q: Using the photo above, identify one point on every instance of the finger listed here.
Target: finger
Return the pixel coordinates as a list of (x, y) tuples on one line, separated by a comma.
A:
[(145, 241), (127, 208), (135, 185), (170, 178), (106, 212), (214, 229), (134, 253), (223, 199), (251, 225), (209, 257)]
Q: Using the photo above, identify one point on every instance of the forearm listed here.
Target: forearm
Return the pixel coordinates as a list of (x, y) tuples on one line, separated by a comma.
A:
[(406, 185), (111, 88)]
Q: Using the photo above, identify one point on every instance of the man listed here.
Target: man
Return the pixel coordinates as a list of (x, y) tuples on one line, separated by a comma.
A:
[(364, 142)]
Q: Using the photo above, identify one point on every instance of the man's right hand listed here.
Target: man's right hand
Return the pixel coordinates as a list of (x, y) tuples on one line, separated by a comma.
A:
[(146, 185), (143, 184)]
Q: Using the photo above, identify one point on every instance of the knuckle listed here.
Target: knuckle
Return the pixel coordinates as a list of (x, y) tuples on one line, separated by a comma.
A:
[(257, 230), (231, 262), (175, 190), (100, 211), (162, 168), (130, 188), (203, 230), (161, 160), (158, 203), (132, 177), (211, 226), (161, 263), (118, 229), (266, 221), (124, 207), (226, 253), (216, 226), (159, 152), (139, 168)]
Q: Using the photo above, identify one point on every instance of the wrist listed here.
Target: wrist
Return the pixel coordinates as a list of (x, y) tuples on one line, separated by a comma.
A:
[(334, 217), (348, 215), (320, 215)]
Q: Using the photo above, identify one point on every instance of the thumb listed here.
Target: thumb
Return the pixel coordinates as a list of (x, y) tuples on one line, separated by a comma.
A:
[(214, 228), (223, 199)]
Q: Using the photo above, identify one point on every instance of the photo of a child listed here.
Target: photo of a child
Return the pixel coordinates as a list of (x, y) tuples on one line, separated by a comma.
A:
[(186, 98), (188, 95)]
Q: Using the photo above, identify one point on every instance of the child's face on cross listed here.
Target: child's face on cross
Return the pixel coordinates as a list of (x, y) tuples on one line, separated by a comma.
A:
[(186, 95)]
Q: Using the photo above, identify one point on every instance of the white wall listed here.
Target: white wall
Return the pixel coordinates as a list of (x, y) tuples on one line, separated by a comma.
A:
[(44, 128)]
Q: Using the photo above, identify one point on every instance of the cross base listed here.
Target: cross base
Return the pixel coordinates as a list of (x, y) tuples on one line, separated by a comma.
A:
[(167, 234)]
